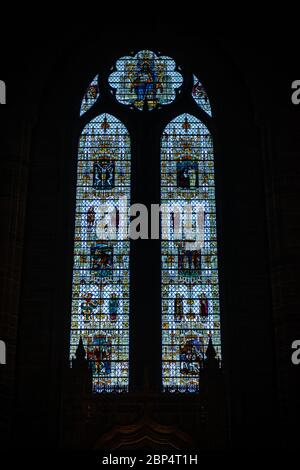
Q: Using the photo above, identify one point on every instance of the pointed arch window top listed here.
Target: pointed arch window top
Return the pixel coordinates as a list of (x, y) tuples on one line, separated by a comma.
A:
[(200, 96), (90, 97), (145, 77)]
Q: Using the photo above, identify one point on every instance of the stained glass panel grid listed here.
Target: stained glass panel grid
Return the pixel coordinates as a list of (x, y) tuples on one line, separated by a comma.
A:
[(190, 288), (145, 77), (90, 97), (200, 96), (100, 296)]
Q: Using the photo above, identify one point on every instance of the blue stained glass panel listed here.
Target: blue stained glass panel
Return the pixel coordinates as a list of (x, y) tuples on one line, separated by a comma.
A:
[(145, 77)]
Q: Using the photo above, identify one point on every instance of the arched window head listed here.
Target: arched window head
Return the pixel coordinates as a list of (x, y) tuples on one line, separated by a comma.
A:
[(200, 96), (90, 97), (100, 299), (145, 77), (190, 291)]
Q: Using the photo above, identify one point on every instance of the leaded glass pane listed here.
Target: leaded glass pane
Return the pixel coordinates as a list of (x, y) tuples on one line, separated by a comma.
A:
[(200, 96), (90, 97), (145, 77), (190, 291), (100, 299)]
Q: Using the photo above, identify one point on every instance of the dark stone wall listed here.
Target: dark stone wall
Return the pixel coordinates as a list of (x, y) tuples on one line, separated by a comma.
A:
[(257, 174)]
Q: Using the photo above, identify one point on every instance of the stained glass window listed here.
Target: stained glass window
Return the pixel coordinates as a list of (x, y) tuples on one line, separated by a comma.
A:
[(200, 96), (90, 97), (145, 77), (190, 293), (100, 298), (189, 268)]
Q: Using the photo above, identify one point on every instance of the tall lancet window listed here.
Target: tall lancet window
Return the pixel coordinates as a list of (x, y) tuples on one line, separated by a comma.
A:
[(100, 300), (190, 293)]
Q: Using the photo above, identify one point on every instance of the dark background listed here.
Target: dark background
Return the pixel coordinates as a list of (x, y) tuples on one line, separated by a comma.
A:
[(248, 74)]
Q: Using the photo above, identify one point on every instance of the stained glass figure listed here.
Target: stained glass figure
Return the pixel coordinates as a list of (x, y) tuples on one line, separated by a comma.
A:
[(189, 263), (88, 306), (203, 306), (178, 307), (91, 216), (191, 355), (100, 298), (104, 174), (99, 353), (113, 307), (102, 259), (190, 291), (90, 97), (200, 96), (187, 174), (145, 77)]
